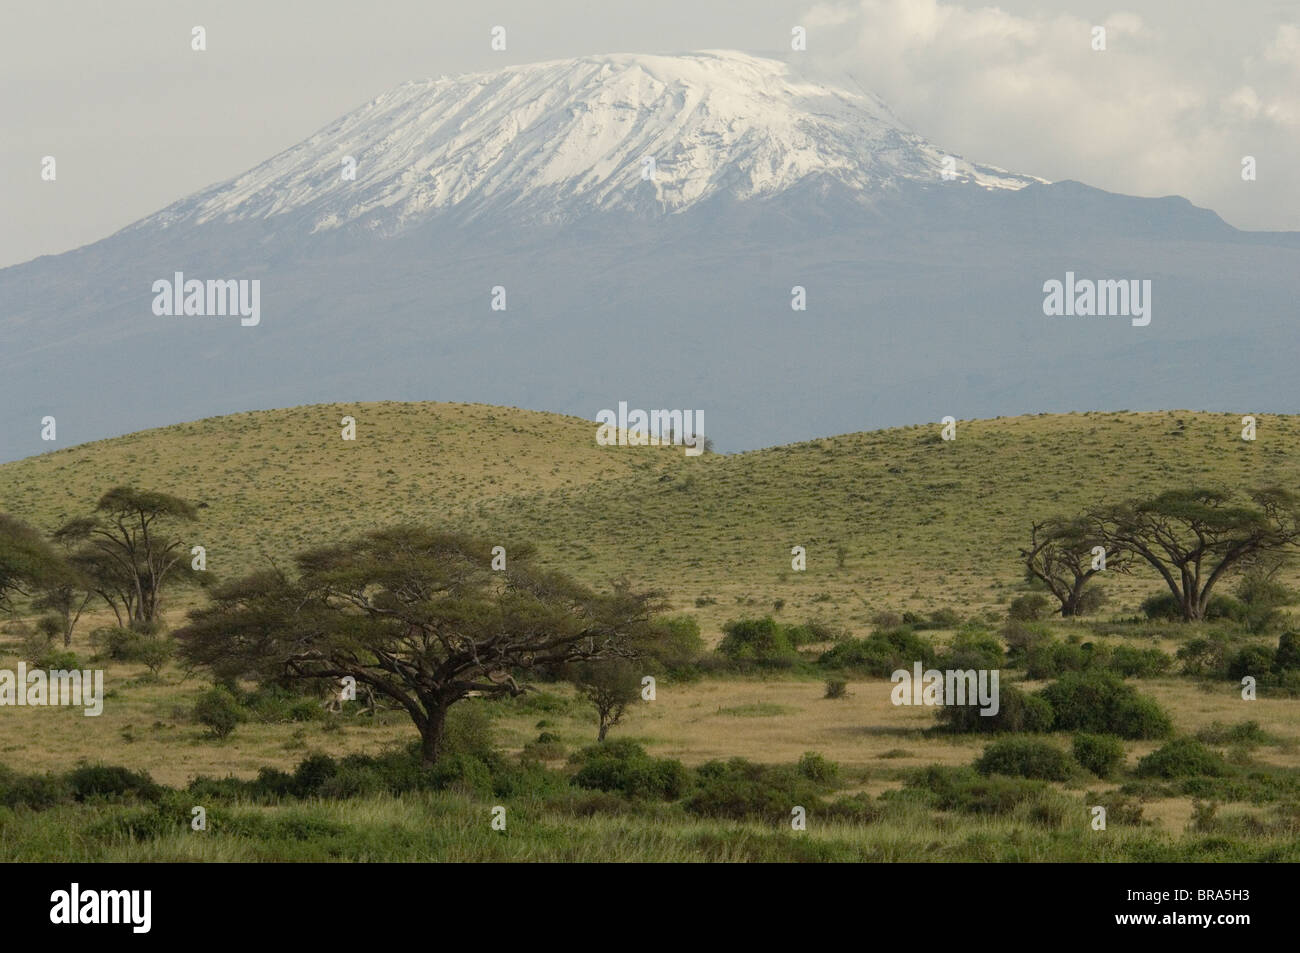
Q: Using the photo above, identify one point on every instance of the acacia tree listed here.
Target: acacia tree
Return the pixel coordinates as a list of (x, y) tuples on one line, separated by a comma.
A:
[(1060, 556), (130, 549), (611, 685), (418, 616), (27, 561), (1194, 538), (68, 593)]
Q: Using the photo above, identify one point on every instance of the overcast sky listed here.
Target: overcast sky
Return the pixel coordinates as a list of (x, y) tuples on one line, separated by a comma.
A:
[(136, 119)]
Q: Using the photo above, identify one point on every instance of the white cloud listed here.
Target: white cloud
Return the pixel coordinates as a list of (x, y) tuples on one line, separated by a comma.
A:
[(1160, 111)]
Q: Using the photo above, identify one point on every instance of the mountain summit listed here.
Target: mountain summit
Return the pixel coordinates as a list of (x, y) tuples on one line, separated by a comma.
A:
[(551, 142), (796, 263)]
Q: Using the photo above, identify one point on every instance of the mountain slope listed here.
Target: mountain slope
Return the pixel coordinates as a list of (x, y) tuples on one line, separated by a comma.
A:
[(924, 297), (549, 142)]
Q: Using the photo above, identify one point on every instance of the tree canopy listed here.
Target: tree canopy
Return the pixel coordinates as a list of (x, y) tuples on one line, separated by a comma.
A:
[(418, 615)]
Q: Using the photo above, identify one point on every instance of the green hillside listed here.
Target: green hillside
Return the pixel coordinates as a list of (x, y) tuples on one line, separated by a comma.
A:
[(924, 523)]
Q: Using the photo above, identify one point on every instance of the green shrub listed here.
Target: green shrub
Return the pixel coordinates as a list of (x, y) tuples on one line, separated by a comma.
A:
[(468, 730), (963, 789), (677, 644), (1100, 703), (741, 789), (1287, 656), (312, 773), (757, 641), (463, 773), (1243, 733), (1100, 754), (1024, 758), (973, 648), (35, 791), (881, 653), (1022, 638), (218, 711), (836, 688), (1253, 660), (1028, 608), (816, 768), (624, 767), (1017, 711), (1182, 758), (111, 781)]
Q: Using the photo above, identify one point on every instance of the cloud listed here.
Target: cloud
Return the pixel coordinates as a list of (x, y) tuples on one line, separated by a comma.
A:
[(1160, 111)]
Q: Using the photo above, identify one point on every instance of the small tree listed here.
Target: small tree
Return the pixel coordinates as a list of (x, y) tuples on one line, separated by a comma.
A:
[(611, 685), (130, 549), (218, 711), (1060, 556), (27, 562), (417, 615), (1195, 538)]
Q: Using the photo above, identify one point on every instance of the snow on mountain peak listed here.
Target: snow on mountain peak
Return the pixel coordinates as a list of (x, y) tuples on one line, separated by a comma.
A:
[(555, 140)]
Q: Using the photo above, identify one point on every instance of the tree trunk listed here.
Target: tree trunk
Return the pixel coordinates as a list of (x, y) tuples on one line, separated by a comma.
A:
[(604, 727), (431, 735)]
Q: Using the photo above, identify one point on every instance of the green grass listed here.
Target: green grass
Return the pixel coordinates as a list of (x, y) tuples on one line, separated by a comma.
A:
[(452, 828)]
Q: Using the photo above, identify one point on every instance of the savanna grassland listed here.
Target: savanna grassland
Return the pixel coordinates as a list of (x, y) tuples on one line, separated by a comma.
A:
[(912, 546)]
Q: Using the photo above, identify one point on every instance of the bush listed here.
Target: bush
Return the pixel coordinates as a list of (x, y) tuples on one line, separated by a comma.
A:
[(963, 789), (624, 767), (35, 791), (757, 641), (1022, 638), (945, 619), (1100, 754), (1017, 711), (1099, 703), (677, 644), (468, 730), (1247, 733), (1051, 659), (463, 773), (836, 688), (881, 653), (1287, 656), (1204, 656), (1182, 758), (1253, 660), (111, 781), (1162, 607), (973, 648), (1024, 758), (816, 768), (741, 789), (218, 710), (1028, 608)]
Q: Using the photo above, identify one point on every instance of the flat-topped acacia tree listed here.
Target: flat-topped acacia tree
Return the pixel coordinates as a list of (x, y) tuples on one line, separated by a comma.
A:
[(1194, 538), (1060, 556), (419, 616), (130, 549)]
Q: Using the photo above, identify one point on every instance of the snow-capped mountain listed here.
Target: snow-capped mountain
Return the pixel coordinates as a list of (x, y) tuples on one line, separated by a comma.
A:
[(551, 141), (922, 294)]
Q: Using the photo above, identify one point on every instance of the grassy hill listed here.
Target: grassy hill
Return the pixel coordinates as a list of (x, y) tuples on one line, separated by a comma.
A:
[(923, 523)]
